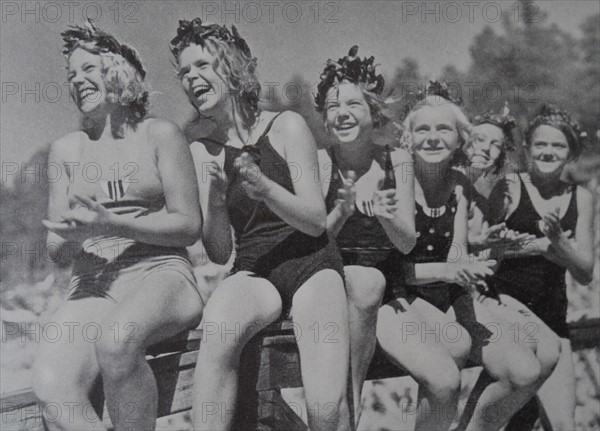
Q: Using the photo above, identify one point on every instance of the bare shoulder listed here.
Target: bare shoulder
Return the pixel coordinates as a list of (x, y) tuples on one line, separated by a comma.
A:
[(160, 128), (290, 124), (67, 147), (163, 134)]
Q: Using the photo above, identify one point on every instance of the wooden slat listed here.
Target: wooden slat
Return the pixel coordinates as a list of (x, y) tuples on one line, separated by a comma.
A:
[(585, 333), (276, 348)]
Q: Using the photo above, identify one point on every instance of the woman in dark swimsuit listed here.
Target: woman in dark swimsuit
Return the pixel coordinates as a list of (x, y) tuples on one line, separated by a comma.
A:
[(285, 263), (436, 126), (370, 212), (490, 139), (539, 203), (444, 282), (125, 231)]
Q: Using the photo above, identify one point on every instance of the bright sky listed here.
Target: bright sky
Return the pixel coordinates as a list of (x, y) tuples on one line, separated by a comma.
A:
[(287, 37)]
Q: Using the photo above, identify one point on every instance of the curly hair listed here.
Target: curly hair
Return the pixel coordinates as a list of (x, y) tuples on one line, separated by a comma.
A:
[(123, 77), (377, 107), (236, 68), (551, 115), (463, 125)]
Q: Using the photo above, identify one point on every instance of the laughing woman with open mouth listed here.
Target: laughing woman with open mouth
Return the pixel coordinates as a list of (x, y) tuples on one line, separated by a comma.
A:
[(125, 231), (285, 264)]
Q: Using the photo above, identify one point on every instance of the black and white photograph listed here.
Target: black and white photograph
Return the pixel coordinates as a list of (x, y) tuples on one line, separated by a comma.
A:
[(300, 215)]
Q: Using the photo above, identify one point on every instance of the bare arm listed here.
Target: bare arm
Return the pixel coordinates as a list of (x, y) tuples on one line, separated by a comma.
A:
[(178, 224), (458, 267), (212, 185), (346, 196), (425, 273), (577, 258), (305, 208), (60, 250), (181, 223)]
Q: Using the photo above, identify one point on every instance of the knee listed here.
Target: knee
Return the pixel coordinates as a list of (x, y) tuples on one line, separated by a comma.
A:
[(117, 359), (365, 287), (460, 347), (548, 354), (521, 373), (443, 383)]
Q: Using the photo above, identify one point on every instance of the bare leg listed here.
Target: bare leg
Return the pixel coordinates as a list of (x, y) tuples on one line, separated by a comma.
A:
[(164, 305), (508, 359), (557, 394), (365, 288), (320, 311), (65, 369), (237, 310), (408, 337)]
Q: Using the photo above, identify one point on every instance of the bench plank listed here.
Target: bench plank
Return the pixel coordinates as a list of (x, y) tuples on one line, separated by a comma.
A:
[(274, 354)]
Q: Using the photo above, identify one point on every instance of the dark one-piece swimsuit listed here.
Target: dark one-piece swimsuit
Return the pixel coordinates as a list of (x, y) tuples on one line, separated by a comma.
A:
[(265, 244), (363, 241), (534, 280)]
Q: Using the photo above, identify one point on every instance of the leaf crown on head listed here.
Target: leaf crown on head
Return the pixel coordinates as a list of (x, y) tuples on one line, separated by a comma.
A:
[(103, 42), (350, 68), (502, 120), (194, 32), (434, 88)]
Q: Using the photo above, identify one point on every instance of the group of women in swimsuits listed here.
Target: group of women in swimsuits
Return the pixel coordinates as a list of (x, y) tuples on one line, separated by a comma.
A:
[(409, 227)]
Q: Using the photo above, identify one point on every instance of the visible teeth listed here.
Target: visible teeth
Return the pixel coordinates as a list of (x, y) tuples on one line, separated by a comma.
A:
[(201, 90), (85, 93)]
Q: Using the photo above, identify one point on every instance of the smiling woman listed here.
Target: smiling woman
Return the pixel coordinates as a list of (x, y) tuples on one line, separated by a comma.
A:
[(559, 216), (128, 228), (285, 263)]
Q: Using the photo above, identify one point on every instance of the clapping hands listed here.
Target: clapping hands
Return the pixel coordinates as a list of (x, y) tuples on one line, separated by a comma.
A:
[(86, 220)]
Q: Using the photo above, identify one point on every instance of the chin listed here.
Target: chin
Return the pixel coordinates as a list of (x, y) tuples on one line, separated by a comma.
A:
[(549, 168), (86, 108), (434, 158), (206, 106), (346, 137)]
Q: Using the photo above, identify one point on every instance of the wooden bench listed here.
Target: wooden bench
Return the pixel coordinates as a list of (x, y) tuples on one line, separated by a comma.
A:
[(270, 363)]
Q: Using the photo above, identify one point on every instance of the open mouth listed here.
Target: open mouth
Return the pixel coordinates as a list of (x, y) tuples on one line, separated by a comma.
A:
[(87, 93), (345, 126), (201, 90)]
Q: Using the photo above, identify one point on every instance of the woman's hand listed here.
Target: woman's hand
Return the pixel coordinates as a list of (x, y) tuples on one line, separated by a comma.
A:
[(254, 182), (346, 196), (499, 236), (559, 240), (217, 195), (385, 203), (82, 222), (470, 275), (550, 226)]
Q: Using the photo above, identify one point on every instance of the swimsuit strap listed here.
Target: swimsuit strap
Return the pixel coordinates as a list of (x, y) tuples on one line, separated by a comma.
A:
[(268, 128)]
